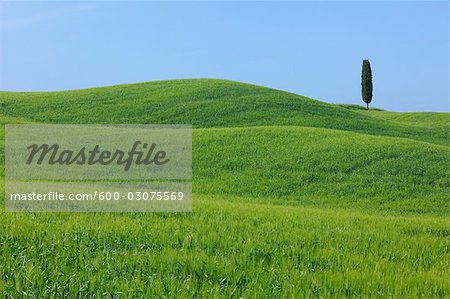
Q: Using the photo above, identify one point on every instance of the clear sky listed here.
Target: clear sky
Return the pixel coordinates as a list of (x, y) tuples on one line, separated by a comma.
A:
[(313, 49)]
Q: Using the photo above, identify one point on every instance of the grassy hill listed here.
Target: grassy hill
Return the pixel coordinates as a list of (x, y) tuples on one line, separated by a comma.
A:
[(322, 167), (292, 197), (202, 103)]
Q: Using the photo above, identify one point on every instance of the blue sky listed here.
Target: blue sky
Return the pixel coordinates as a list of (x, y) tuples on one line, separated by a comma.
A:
[(310, 48)]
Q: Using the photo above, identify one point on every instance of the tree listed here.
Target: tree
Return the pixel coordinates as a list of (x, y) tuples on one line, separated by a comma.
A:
[(366, 82)]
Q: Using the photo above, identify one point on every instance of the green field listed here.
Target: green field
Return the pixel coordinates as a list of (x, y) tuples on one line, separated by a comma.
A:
[(292, 198)]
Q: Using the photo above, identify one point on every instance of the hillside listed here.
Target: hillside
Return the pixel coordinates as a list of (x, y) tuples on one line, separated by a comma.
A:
[(292, 198), (252, 141), (322, 167), (416, 119), (202, 103)]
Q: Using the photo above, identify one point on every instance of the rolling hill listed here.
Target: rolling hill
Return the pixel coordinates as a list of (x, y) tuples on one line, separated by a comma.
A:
[(205, 103), (269, 143), (293, 197)]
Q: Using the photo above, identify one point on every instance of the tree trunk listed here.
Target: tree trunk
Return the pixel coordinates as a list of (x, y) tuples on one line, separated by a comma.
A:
[(367, 106)]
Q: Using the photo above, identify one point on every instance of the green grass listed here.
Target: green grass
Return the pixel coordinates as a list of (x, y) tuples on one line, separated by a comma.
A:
[(322, 167), (292, 198), (417, 119), (358, 107), (202, 103), (224, 249)]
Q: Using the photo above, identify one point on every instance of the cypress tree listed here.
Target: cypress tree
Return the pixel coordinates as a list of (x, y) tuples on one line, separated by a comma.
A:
[(366, 82)]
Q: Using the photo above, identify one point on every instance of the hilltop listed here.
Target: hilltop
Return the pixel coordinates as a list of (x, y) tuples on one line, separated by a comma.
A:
[(206, 103)]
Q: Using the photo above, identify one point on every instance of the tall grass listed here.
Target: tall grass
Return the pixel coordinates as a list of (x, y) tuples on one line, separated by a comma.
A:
[(224, 249)]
